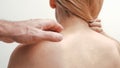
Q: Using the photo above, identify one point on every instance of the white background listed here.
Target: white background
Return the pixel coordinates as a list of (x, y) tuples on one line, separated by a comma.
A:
[(30, 9)]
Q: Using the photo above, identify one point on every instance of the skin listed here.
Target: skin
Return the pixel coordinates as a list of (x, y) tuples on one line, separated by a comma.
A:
[(90, 52), (81, 48), (30, 31)]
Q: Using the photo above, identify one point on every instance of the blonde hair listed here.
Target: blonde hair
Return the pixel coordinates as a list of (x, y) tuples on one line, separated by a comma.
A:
[(85, 9)]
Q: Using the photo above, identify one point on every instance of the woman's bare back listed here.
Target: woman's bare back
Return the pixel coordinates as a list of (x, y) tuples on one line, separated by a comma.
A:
[(77, 50), (91, 50)]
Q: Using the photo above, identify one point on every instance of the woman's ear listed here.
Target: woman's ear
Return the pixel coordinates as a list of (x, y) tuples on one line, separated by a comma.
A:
[(52, 4)]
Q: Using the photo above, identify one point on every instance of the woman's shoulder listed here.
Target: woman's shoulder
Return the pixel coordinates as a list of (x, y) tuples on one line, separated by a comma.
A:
[(42, 55)]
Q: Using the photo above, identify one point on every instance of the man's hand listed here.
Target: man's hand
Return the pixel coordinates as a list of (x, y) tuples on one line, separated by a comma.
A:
[(33, 31)]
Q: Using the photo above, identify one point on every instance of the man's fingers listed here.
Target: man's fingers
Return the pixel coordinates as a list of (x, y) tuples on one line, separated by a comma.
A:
[(50, 36), (45, 24), (33, 35), (56, 28), (51, 25)]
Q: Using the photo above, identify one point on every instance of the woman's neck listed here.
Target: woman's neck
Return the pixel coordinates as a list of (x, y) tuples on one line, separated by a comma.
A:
[(74, 24)]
